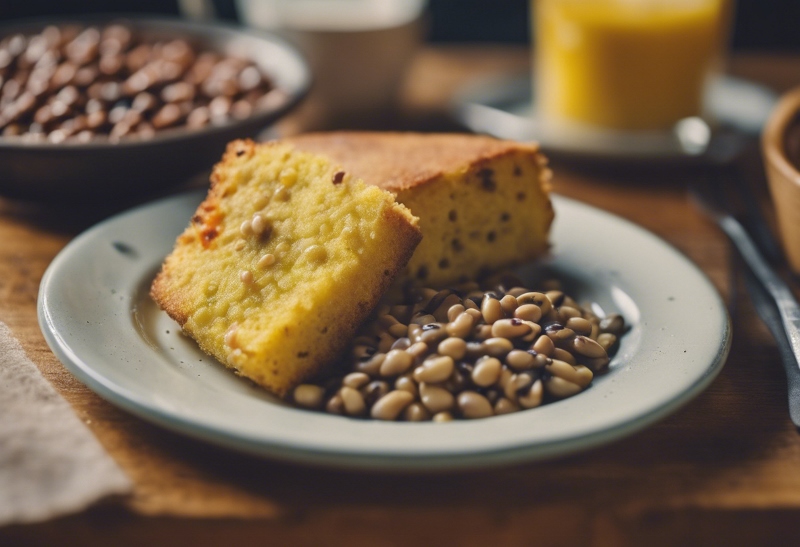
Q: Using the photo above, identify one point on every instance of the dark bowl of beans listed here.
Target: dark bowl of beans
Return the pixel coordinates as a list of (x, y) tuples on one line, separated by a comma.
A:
[(103, 107)]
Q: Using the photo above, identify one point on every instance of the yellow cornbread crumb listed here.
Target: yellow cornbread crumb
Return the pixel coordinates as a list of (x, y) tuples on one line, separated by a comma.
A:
[(320, 248), (483, 203)]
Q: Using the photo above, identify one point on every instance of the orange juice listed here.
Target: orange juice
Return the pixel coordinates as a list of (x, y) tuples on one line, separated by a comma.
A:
[(625, 64)]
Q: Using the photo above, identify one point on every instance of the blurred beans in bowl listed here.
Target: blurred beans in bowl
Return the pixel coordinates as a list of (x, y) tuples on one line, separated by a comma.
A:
[(103, 107)]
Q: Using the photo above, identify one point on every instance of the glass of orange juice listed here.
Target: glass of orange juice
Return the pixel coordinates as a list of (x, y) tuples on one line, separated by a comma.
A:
[(628, 65)]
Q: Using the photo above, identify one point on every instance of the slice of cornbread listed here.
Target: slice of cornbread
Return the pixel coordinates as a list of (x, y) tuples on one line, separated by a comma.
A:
[(483, 204), (282, 262)]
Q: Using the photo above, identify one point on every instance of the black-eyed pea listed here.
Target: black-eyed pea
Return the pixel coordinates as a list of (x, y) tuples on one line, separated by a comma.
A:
[(556, 297), (482, 332), (520, 360), (475, 313), (352, 401), (335, 405), (536, 330), (613, 323), (577, 374), (454, 311), (510, 328), (461, 326), (436, 368), (436, 399), (415, 412), (505, 376), (558, 387), (385, 341), (402, 343), (505, 406), (456, 382), (406, 383), (391, 405), (579, 325), (516, 383), (540, 299), (564, 355), (418, 350), (356, 380), (371, 366), (544, 345), (440, 313), (508, 303), (566, 313), (497, 347), (533, 396), (309, 395), (559, 334), (540, 360), (374, 391), (473, 405), (386, 321), (396, 362), (442, 417), (492, 395), (607, 340), (529, 312), (398, 330), (491, 309), (452, 347), (486, 372), (597, 365), (432, 334), (363, 352), (587, 347), (423, 319)]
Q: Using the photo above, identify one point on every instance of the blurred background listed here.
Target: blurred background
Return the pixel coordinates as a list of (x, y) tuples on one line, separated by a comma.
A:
[(759, 24)]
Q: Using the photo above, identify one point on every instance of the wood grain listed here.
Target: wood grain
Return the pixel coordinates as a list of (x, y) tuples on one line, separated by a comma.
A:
[(725, 469)]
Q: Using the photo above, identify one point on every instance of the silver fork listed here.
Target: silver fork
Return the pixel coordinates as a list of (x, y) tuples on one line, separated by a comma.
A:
[(772, 297)]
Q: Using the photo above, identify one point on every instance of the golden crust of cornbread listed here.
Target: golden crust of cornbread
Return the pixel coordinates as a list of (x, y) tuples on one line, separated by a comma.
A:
[(483, 203), (337, 248)]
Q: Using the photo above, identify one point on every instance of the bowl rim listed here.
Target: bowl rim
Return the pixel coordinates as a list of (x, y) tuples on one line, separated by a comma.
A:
[(773, 136), (192, 28)]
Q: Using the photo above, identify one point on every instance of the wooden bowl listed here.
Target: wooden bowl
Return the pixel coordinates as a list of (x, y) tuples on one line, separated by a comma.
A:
[(780, 143)]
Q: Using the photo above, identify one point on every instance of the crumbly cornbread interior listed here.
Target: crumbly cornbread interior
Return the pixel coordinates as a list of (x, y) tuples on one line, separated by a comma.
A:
[(479, 219), (483, 203), (282, 262)]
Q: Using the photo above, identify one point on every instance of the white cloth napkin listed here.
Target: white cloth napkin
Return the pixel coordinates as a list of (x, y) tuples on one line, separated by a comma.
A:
[(50, 463)]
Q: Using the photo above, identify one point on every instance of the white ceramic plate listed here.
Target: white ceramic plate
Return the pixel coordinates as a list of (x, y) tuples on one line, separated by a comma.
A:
[(504, 107), (96, 315)]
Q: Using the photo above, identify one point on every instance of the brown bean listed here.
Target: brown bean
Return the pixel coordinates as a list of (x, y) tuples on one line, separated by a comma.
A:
[(577, 374), (613, 323), (558, 387), (486, 371), (435, 398), (461, 326), (533, 396), (564, 355), (415, 412), (510, 328), (473, 405), (579, 325), (528, 312), (498, 347), (352, 401), (544, 345), (540, 299), (442, 417), (407, 383), (391, 405), (435, 368), (491, 309), (453, 347), (309, 395), (520, 360), (356, 380), (588, 348), (509, 304), (607, 340), (397, 362), (505, 406)]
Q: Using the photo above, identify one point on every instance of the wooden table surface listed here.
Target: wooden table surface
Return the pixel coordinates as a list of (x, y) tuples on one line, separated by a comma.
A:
[(725, 469)]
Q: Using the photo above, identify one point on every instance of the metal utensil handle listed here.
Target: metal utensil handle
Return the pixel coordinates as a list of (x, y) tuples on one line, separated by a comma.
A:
[(787, 305)]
